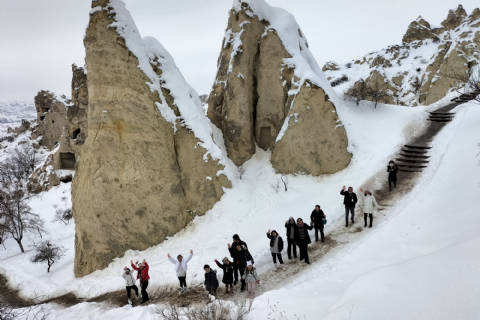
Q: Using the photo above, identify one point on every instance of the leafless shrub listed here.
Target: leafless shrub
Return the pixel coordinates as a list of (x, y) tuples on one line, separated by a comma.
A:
[(377, 93), (358, 92), (348, 65), (19, 165), (62, 215), (275, 314), (417, 85), (285, 182), (218, 310), (339, 81), (469, 80), (47, 252), (16, 216), (30, 313), (241, 171), (276, 186)]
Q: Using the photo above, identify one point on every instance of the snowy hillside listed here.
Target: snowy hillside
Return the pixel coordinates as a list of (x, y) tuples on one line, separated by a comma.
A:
[(12, 113)]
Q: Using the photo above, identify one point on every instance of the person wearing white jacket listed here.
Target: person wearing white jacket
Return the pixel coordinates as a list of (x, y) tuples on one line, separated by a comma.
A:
[(181, 269), (368, 205), (130, 283)]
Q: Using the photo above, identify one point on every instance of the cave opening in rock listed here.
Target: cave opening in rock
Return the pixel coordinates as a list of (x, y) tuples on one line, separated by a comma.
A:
[(42, 117), (67, 160), (66, 179), (75, 134), (265, 141)]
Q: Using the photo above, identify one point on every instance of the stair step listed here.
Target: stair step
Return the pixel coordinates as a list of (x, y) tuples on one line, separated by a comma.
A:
[(417, 147), (414, 151), (443, 113), (437, 120), (410, 166), (409, 170), (414, 156), (412, 160), (441, 117)]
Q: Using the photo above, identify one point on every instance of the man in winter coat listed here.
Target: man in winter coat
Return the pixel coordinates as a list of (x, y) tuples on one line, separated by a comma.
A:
[(129, 284), (276, 248), (211, 281), (181, 269), (368, 203), (291, 227), (227, 279), (349, 200), (233, 253), (317, 217), (242, 256), (303, 239), (142, 274)]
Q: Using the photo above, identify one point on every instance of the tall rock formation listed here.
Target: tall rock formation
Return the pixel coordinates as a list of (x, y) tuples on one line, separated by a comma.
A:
[(51, 114), (269, 91), (149, 164), (415, 72)]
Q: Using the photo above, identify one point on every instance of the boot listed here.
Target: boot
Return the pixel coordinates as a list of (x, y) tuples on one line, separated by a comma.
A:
[(235, 282), (226, 290), (284, 267), (275, 267)]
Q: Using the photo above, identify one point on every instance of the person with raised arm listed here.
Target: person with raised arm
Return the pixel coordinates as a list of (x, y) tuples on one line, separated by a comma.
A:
[(181, 269), (142, 275), (349, 200)]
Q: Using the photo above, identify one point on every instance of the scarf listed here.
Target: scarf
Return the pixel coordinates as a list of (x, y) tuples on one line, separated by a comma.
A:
[(300, 224)]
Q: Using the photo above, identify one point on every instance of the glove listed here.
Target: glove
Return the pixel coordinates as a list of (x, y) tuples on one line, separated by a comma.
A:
[(216, 260), (258, 281)]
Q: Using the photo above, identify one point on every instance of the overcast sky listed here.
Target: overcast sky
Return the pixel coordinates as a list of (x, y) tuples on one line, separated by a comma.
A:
[(40, 39)]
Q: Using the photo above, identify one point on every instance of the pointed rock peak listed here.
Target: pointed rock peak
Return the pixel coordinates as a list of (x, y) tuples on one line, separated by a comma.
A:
[(454, 18), (475, 15), (423, 22)]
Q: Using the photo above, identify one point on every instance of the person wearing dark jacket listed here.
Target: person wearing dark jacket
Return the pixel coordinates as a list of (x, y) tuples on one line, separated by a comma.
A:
[(142, 274), (242, 256), (317, 217), (392, 170), (349, 200), (211, 281), (276, 248), (233, 253), (227, 268), (291, 227), (303, 239)]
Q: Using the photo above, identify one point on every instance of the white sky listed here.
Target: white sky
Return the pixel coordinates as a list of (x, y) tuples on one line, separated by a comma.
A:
[(40, 39)]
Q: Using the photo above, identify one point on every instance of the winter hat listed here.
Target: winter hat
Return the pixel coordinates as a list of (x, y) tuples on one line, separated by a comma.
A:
[(141, 264), (249, 263), (206, 266), (367, 191), (318, 206), (225, 259), (291, 218), (126, 268), (236, 237), (274, 231)]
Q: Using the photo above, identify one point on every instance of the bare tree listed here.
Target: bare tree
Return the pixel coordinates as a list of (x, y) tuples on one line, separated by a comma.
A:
[(470, 79), (18, 166), (47, 252), (63, 215), (377, 93), (358, 92), (16, 216)]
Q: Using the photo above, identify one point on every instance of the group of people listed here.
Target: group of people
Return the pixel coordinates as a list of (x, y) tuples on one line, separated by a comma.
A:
[(242, 261)]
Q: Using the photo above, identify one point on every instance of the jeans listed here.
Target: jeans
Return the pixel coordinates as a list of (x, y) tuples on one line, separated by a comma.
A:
[(390, 184), (352, 211), (365, 218), (129, 289), (291, 244), (144, 291), (183, 283), (320, 227), (275, 255)]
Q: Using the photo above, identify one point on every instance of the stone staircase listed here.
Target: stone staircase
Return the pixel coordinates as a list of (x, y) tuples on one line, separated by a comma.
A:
[(440, 116), (413, 158), (467, 96)]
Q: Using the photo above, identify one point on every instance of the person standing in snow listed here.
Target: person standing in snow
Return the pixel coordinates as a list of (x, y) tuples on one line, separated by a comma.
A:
[(251, 278), (211, 281), (227, 279), (129, 284), (233, 253), (181, 269), (142, 275), (392, 170), (303, 239), (291, 227), (242, 256), (317, 217), (368, 203), (276, 248), (349, 200)]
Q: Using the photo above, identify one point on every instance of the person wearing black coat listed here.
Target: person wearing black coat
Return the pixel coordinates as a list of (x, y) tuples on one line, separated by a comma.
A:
[(211, 281), (392, 170), (317, 217), (349, 200), (242, 255), (291, 227), (233, 253), (303, 239), (227, 279), (276, 248)]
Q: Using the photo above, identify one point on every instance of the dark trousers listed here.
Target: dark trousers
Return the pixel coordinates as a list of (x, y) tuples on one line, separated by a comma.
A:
[(275, 256), (365, 218), (129, 289), (352, 211), (212, 290), (144, 291), (242, 272), (390, 184), (183, 283), (291, 244), (235, 271), (319, 228), (303, 245)]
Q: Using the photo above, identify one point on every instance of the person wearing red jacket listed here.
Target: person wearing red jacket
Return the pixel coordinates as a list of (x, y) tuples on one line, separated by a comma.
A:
[(142, 274)]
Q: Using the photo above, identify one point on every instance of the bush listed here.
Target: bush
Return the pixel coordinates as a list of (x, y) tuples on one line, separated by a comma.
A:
[(348, 65), (338, 81), (218, 310), (47, 252)]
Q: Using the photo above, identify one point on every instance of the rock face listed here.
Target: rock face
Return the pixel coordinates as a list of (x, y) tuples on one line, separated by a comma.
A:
[(415, 72), (149, 164), (269, 91), (51, 114)]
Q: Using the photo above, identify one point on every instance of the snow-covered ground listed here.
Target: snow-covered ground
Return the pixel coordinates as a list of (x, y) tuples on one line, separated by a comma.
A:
[(12, 113)]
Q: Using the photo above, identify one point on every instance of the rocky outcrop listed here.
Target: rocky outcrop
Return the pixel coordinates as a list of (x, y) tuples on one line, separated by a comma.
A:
[(149, 164), (51, 114), (269, 91), (416, 72)]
